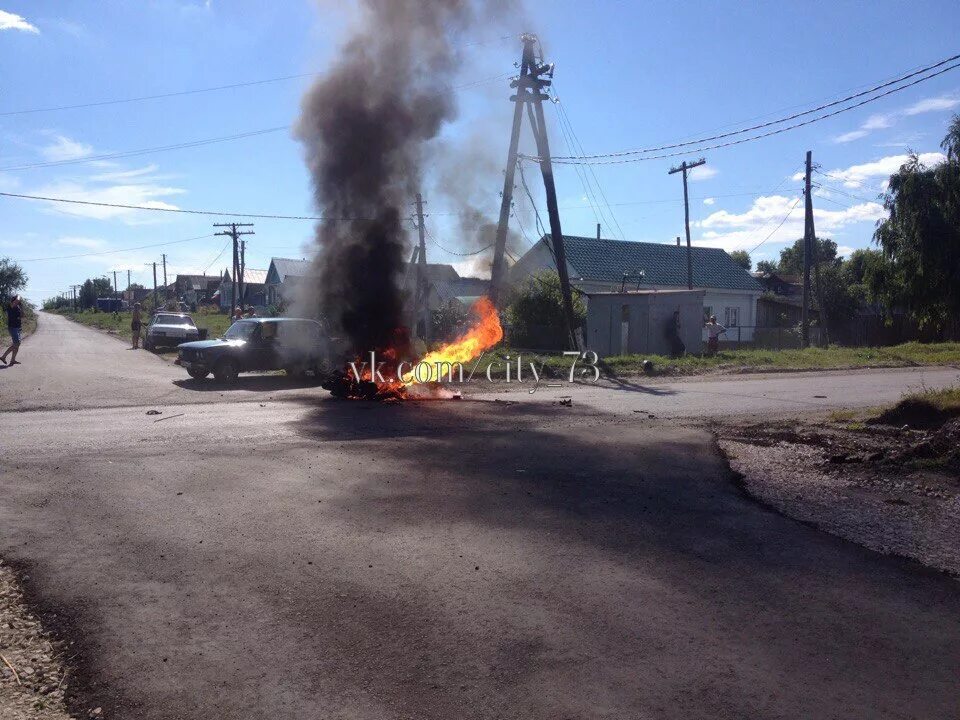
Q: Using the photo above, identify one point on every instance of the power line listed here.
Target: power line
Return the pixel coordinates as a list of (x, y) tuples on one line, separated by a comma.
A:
[(833, 188), (141, 98), (197, 91), (453, 252), (188, 211), (788, 118), (565, 116), (120, 250), (219, 254), (147, 151), (192, 143), (773, 232), (755, 137)]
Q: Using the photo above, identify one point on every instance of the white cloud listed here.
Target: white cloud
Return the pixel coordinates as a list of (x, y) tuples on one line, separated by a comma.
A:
[(886, 120), (82, 242), (64, 148), (10, 21), (702, 172), (125, 174), (709, 201), (850, 136), (744, 231), (145, 194), (937, 104), (844, 251), (879, 122), (857, 176)]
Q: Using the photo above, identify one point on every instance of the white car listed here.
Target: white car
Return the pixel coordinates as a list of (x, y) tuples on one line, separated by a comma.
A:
[(169, 329)]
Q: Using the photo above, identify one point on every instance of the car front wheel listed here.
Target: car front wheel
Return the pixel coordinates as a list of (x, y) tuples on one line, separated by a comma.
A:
[(226, 371), (198, 374)]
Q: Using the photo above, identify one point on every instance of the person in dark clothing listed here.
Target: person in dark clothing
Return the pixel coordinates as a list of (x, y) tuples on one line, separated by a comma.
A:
[(136, 322), (15, 326)]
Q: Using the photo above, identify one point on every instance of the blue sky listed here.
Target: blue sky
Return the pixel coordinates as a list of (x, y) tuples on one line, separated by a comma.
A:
[(628, 74)]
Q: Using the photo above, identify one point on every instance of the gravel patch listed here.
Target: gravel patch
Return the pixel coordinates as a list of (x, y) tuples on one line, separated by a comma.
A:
[(32, 676), (863, 485)]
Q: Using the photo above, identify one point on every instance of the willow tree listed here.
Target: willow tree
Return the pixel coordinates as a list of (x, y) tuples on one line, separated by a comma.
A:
[(921, 237)]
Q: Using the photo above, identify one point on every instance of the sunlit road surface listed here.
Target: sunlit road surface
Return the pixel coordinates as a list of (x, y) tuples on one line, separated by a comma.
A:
[(273, 552)]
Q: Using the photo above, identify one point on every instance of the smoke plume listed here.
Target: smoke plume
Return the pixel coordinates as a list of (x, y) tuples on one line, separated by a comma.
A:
[(366, 127)]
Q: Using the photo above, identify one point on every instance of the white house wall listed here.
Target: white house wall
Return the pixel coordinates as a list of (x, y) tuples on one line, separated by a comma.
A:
[(540, 258)]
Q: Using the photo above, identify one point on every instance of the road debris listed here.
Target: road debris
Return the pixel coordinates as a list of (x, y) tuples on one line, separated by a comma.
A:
[(893, 491), (32, 676), (170, 417), (154, 412)]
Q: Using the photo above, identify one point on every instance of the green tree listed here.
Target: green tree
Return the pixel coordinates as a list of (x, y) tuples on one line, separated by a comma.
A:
[(791, 257), (742, 258), (535, 312), (91, 290), (766, 266), (12, 279), (921, 238), (951, 143)]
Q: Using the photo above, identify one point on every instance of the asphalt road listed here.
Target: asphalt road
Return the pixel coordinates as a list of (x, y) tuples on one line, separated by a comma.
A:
[(289, 555)]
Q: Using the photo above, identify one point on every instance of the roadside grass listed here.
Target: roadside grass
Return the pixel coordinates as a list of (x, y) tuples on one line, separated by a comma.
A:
[(925, 409), (750, 360), (29, 325), (119, 323), (833, 357)]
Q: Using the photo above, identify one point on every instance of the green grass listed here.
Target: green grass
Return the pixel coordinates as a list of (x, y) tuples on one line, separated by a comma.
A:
[(832, 357), (119, 323), (744, 360)]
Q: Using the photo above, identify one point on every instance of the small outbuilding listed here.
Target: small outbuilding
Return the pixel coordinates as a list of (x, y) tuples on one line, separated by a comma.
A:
[(655, 322)]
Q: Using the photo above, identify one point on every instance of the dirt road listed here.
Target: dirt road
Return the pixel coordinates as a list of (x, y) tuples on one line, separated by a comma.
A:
[(302, 557)]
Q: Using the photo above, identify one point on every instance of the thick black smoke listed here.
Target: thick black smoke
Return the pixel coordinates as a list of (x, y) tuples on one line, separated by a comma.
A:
[(365, 126)]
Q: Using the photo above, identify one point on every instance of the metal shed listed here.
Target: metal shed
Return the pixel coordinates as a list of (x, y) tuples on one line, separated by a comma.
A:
[(656, 322)]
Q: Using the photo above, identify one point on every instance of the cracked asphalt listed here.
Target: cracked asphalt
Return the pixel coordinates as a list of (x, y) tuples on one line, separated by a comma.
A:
[(269, 551)]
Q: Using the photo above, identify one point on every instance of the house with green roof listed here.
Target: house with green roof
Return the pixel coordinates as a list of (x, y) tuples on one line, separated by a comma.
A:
[(602, 265)]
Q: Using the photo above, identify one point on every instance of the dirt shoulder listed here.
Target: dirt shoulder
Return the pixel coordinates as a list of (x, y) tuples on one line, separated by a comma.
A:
[(892, 488), (33, 680)]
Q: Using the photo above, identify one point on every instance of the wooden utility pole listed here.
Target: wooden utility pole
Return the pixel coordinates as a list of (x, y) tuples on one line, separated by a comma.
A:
[(534, 77), (128, 279), (422, 299), (243, 268), (237, 271), (523, 83), (74, 288), (166, 288), (807, 243), (684, 167), (114, 283), (154, 286), (556, 232)]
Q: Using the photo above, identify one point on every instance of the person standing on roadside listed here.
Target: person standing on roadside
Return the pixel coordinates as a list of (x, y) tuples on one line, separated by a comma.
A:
[(714, 331), (15, 326), (136, 323), (238, 313)]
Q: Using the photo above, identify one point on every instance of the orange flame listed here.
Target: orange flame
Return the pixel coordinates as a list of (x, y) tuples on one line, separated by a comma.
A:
[(486, 333)]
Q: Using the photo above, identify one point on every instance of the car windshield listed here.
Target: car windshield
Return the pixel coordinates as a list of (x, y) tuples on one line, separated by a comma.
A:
[(240, 330), (172, 320)]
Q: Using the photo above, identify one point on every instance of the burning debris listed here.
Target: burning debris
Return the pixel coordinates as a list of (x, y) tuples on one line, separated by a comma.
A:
[(366, 127), (389, 377)]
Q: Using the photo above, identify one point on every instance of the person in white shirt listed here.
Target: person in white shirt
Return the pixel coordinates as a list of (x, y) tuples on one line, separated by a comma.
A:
[(714, 330)]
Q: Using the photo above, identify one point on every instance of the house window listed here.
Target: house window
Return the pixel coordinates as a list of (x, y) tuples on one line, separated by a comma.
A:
[(707, 312), (732, 317)]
